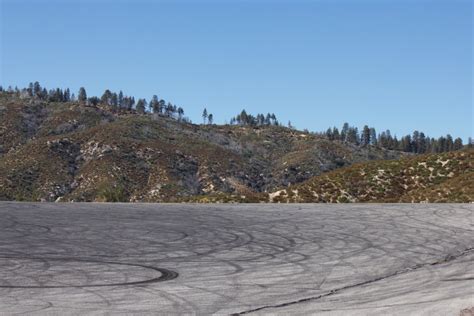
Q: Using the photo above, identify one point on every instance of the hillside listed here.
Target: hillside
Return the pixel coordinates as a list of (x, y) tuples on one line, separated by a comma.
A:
[(447, 177), (68, 151)]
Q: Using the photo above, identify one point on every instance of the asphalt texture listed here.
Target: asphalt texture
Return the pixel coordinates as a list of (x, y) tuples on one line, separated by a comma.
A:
[(149, 259)]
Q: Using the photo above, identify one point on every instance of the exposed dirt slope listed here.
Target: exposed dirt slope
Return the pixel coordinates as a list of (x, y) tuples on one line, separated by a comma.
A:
[(447, 177)]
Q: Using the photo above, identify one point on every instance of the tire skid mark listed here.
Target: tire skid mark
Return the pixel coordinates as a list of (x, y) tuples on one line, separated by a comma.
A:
[(338, 290), (166, 274)]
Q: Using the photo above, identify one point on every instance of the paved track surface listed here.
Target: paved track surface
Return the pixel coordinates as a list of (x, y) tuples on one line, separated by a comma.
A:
[(153, 259)]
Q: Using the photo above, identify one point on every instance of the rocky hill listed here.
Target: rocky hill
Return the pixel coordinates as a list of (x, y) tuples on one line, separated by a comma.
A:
[(447, 177), (67, 151)]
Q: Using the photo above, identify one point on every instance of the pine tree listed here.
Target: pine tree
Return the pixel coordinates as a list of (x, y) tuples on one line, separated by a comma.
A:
[(106, 97), (114, 100), (180, 113), (422, 143), (457, 144), (274, 119), (59, 96), (449, 143), (204, 115), (36, 89), (94, 101), (82, 95), (155, 104), (67, 95), (344, 131), (365, 138), (120, 99), (268, 119), (406, 144), (169, 110), (161, 106), (416, 142), (352, 135), (141, 106), (373, 136), (210, 119), (30, 89), (329, 134), (44, 94)]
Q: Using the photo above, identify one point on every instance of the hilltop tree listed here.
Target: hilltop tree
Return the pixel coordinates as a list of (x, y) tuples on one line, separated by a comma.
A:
[(67, 95), (128, 103), (416, 141), (329, 134), (440, 145), (457, 144), (204, 115), (365, 137), (406, 144), (94, 101), (180, 113), (373, 136), (44, 94), (422, 145), (141, 106), (274, 119), (55, 95), (268, 119), (106, 97), (29, 90), (120, 99), (385, 140), (449, 143), (37, 89), (170, 109), (82, 95), (210, 119), (114, 100), (155, 104), (59, 95), (352, 135), (344, 131)]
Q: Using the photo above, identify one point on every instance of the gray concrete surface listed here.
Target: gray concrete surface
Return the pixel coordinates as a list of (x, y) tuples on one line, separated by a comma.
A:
[(94, 259)]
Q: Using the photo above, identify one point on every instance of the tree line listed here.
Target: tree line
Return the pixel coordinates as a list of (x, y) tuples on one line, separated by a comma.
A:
[(417, 142), (245, 119), (115, 101)]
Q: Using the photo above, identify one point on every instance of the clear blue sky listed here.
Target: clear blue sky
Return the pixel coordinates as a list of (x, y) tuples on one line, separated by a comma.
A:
[(395, 64)]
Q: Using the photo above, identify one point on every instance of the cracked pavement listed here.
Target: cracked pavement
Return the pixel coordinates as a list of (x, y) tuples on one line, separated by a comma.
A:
[(351, 259)]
